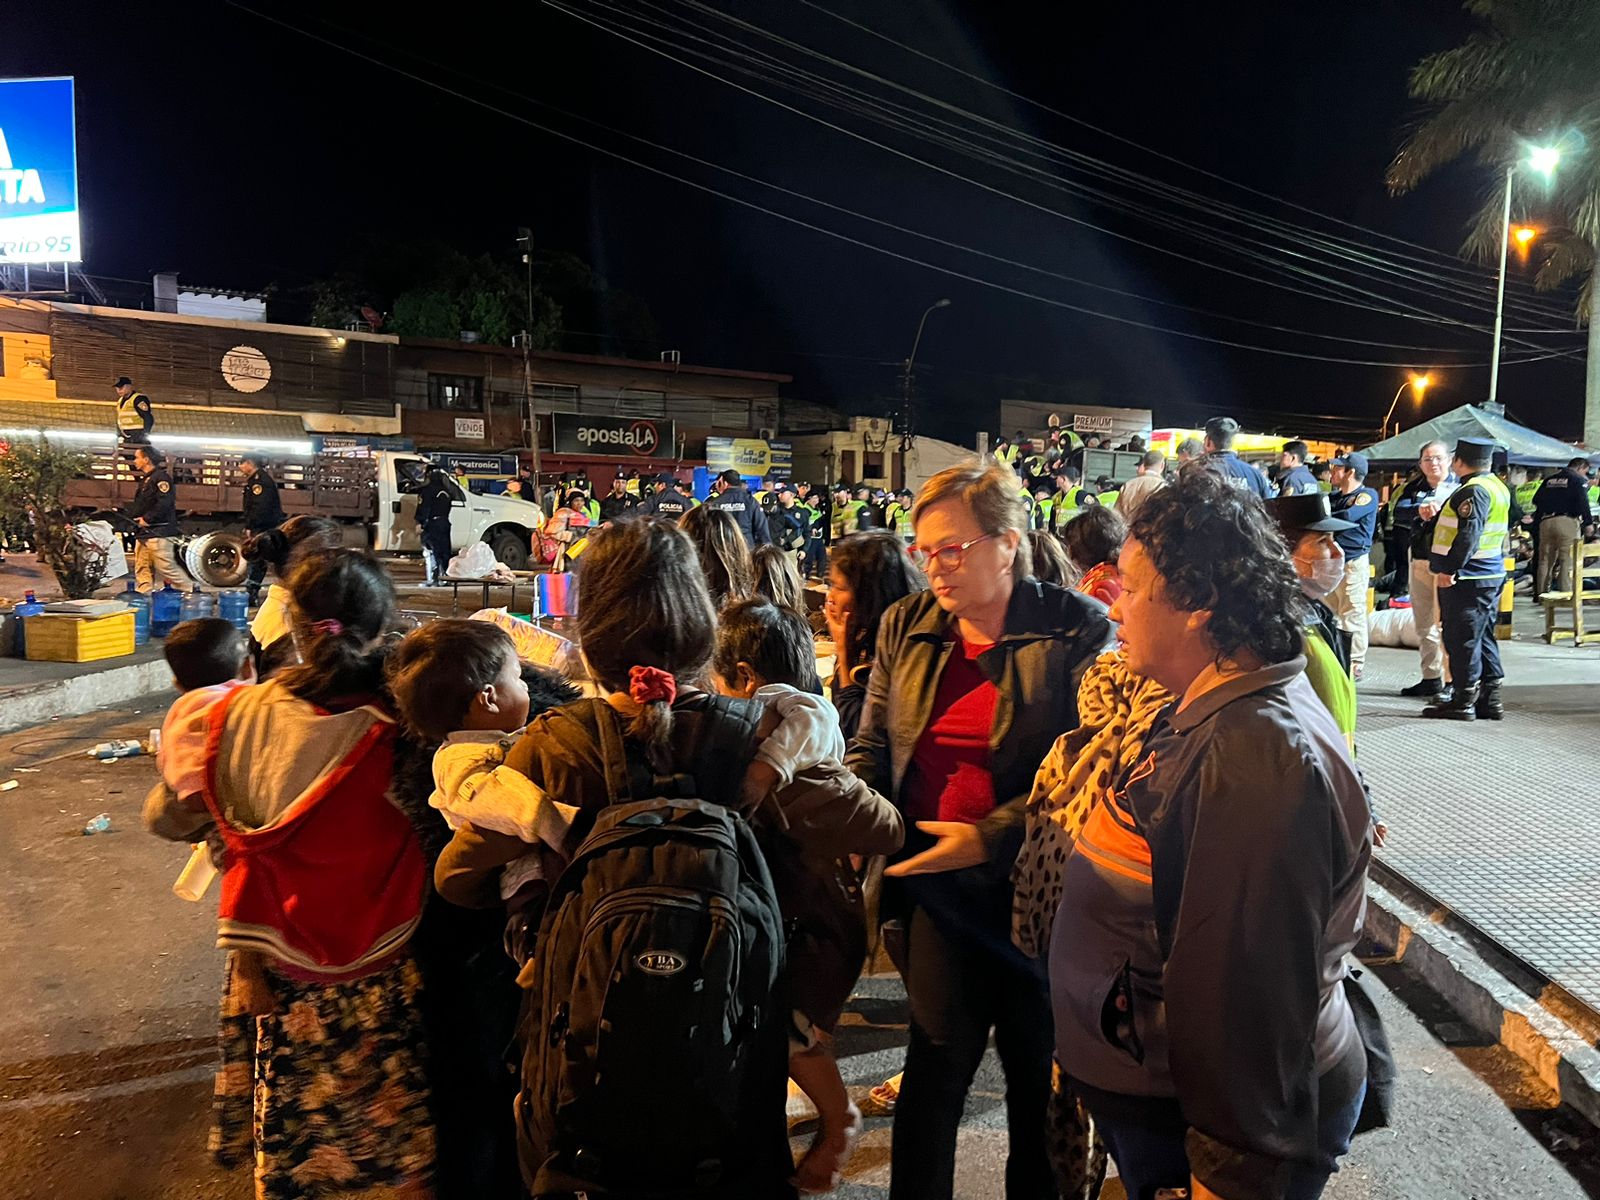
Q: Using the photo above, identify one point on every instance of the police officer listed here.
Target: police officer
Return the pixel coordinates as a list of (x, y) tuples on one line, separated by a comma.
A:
[(135, 417), (1296, 480), (155, 511), (1220, 459), (1562, 511), (1354, 502), (844, 513), (1468, 563), (790, 520), (619, 505), (1071, 497), (435, 499), (262, 511), (897, 516), (670, 500), (872, 512), (732, 498), (1005, 451), (816, 509)]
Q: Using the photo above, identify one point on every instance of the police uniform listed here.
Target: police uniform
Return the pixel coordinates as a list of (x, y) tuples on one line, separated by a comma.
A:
[(897, 517), (791, 526), (618, 508), (1298, 481), (1237, 473), (668, 502), (434, 502), (1069, 505), (135, 417), (1468, 559), (262, 511), (747, 514), (156, 502), (1562, 505), (1349, 600)]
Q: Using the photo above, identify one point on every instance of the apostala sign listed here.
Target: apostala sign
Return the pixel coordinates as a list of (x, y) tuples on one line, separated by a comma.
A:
[(612, 437)]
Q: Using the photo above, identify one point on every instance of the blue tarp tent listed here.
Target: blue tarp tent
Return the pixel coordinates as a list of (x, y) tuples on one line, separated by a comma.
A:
[(1524, 446)]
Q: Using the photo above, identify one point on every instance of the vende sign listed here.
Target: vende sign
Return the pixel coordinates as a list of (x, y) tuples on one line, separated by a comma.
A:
[(612, 437)]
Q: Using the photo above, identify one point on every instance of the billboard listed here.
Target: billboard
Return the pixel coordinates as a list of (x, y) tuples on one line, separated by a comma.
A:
[(753, 458), (613, 437), (38, 172)]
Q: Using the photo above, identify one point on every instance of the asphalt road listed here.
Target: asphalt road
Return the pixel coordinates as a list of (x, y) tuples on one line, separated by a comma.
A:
[(111, 982)]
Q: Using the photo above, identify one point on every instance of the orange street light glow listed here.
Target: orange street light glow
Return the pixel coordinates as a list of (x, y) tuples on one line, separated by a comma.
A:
[(1524, 234), (1421, 382)]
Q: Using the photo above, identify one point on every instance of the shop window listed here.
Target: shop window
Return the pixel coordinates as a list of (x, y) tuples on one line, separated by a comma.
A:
[(872, 464), (556, 397), (457, 393)]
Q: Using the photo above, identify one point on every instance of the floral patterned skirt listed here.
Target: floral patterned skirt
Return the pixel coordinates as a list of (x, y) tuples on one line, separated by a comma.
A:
[(327, 1094)]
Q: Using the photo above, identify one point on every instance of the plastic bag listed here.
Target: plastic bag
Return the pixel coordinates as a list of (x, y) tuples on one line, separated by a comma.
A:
[(1392, 627), (473, 562), (537, 646), (101, 535)]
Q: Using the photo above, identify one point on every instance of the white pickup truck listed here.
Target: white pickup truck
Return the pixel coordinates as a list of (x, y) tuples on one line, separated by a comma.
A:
[(505, 522)]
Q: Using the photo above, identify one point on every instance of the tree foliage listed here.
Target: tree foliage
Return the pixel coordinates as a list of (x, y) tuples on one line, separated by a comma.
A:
[(1529, 76), (33, 480)]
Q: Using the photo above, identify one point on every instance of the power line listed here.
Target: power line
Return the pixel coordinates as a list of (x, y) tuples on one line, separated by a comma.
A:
[(848, 239)]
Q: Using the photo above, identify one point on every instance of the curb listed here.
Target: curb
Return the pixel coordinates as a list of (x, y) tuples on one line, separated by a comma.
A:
[(1490, 989), (81, 694)]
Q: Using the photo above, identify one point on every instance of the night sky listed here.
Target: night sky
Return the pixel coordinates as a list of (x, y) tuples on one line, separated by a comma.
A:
[(243, 154)]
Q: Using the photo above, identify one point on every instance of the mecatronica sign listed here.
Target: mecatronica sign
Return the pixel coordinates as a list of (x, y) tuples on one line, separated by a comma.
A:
[(38, 172)]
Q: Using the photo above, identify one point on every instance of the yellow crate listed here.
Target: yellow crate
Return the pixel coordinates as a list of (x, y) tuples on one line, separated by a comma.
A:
[(58, 637)]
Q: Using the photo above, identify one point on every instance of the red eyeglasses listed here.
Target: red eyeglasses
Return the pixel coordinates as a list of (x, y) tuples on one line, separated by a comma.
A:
[(949, 557)]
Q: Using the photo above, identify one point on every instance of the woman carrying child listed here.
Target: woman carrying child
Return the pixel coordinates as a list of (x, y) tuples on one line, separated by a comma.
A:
[(648, 633), (321, 1027)]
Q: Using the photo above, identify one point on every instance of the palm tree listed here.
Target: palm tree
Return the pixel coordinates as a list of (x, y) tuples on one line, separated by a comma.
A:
[(1530, 74)]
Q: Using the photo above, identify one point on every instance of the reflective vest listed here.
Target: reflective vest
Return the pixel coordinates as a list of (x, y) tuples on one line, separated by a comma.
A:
[(847, 518), (1108, 498), (1042, 510), (1525, 493), (1070, 503), (130, 419), (1487, 560), (898, 518), (1332, 683), (1008, 456), (592, 507)]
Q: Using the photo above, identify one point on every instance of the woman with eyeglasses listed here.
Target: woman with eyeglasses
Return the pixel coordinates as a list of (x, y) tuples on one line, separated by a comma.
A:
[(973, 682)]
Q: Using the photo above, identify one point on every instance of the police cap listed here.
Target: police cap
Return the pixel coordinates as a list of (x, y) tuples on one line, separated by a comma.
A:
[(123, 381), (1475, 452)]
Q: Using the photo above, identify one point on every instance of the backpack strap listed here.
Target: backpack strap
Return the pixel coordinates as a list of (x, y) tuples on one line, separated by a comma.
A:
[(724, 744)]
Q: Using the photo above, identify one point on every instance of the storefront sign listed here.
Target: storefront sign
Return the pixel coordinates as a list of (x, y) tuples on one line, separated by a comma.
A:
[(1088, 424), (612, 437), (753, 457), (331, 443), (38, 172), (246, 369), (469, 427), (479, 464)]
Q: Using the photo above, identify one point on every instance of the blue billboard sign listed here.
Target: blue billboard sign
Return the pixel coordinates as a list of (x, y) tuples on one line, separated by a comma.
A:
[(38, 172)]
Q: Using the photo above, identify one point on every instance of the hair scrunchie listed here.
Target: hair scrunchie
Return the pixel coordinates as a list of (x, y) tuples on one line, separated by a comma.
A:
[(649, 684)]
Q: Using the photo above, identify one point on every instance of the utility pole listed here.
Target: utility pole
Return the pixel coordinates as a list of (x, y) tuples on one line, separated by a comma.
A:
[(1500, 292), (525, 240), (908, 377)]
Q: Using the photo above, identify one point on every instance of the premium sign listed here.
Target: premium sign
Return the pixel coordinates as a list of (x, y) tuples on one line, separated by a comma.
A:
[(469, 427), (751, 457), (612, 437), (1083, 423), (38, 172)]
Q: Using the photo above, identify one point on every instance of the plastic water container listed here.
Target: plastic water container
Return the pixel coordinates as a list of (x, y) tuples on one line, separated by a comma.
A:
[(30, 607), (166, 610), (233, 606), (140, 603), (197, 606)]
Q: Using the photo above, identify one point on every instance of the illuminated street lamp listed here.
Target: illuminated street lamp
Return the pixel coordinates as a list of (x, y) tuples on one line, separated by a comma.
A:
[(1418, 384), (1544, 160)]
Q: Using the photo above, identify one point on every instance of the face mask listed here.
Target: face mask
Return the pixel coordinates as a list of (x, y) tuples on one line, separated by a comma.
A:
[(1326, 574)]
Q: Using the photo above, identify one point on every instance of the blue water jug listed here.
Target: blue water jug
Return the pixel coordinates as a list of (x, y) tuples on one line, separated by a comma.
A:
[(232, 607), (197, 606), (140, 603), (30, 607), (166, 610)]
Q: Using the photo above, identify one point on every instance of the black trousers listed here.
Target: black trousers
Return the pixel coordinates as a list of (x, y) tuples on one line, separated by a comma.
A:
[(1466, 625), (959, 991), (436, 543)]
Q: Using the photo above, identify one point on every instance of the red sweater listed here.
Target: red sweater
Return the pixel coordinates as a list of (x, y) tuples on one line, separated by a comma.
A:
[(949, 778)]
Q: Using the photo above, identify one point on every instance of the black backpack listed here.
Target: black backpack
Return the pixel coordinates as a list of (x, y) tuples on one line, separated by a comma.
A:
[(650, 1021)]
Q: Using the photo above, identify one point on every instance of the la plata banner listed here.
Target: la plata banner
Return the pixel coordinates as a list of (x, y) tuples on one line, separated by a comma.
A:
[(754, 457)]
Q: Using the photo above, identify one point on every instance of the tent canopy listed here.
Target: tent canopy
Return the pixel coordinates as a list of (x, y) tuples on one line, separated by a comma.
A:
[(1524, 446)]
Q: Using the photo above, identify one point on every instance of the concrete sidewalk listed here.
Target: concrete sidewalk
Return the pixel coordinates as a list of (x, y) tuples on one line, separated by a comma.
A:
[(1491, 870)]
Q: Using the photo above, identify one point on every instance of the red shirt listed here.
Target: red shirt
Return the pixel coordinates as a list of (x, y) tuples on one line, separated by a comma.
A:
[(949, 778)]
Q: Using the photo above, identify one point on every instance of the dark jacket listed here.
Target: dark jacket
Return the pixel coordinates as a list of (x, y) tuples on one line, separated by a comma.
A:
[(436, 497), (669, 505), (1051, 637), (157, 502), (262, 508), (1208, 906), (791, 527), (1235, 472), (1564, 494), (1360, 508), (1298, 481), (741, 506), (617, 508)]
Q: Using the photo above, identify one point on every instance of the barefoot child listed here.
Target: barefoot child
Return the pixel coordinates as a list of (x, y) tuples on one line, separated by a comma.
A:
[(766, 653)]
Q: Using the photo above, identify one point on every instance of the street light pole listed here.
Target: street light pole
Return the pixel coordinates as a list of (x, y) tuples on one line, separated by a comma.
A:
[(1420, 383), (906, 380), (1500, 291)]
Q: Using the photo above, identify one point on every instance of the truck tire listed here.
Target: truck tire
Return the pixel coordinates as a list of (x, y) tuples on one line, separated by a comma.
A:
[(511, 549), (217, 559)]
